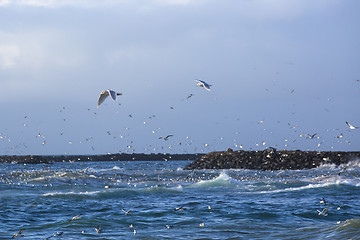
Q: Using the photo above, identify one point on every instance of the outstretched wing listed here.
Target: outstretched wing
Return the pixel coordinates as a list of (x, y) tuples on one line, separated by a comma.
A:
[(207, 86), (112, 94), (200, 81), (102, 97)]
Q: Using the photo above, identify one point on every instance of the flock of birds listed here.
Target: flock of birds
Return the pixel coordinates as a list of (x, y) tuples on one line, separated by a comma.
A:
[(204, 147), (324, 211), (109, 92)]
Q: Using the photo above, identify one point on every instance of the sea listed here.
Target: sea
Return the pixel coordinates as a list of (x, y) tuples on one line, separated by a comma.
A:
[(160, 200)]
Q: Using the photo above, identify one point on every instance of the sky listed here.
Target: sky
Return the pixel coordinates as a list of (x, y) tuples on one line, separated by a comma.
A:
[(284, 74)]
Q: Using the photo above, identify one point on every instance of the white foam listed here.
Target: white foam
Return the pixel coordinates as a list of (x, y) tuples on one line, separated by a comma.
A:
[(318, 183), (222, 180), (71, 193)]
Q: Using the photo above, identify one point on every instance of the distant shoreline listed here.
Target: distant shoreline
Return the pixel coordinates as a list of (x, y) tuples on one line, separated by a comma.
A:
[(44, 159), (268, 159)]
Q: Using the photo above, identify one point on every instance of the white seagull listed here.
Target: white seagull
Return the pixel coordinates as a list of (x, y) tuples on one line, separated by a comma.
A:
[(323, 212), (203, 84), (351, 126), (105, 93)]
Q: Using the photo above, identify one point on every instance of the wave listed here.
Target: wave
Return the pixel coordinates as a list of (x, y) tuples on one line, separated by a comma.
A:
[(89, 193), (349, 229), (116, 191), (351, 165), (223, 180), (313, 183)]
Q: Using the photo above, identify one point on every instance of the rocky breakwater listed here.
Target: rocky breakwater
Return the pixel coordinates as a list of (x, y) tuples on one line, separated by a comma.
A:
[(270, 159), (37, 159)]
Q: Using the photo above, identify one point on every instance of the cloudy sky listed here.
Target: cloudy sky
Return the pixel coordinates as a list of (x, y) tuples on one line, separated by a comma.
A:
[(281, 71)]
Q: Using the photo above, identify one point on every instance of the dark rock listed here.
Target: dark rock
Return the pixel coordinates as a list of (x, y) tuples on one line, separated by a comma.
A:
[(36, 159), (270, 159)]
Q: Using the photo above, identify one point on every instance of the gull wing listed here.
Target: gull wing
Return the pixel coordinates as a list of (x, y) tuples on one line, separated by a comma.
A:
[(207, 86), (102, 97), (351, 126), (112, 94)]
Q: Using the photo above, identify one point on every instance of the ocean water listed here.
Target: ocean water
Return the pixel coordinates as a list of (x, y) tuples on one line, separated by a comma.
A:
[(167, 202)]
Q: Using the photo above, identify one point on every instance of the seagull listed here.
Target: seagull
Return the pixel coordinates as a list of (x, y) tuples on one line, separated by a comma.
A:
[(203, 84), (167, 137), (181, 208), (323, 201), (74, 218), (340, 136), (58, 234), (342, 170), (105, 93), (312, 136), (126, 212), (339, 207), (351, 126), (18, 234), (323, 212), (98, 229), (190, 96)]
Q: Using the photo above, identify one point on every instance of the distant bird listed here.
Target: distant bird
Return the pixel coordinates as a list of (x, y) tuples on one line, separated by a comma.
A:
[(74, 218), (190, 95), (351, 126), (312, 136), (323, 201), (105, 93), (181, 208), (203, 84), (340, 136), (126, 212), (339, 207), (323, 212), (169, 226), (341, 171), (58, 234), (167, 137), (18, 234), (98, 229)]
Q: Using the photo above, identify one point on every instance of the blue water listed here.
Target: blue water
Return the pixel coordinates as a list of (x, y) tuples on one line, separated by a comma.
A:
[(216, 204)]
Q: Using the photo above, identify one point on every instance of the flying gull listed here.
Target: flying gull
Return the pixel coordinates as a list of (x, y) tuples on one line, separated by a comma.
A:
[(74, 218), (105, 93), (167, 137), (18, 234), (181, 208), (351, 126), (126, 212), (203, 84), (98, 229), (323, 212)]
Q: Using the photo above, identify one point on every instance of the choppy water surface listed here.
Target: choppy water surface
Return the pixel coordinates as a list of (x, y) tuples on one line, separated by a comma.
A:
[(214, 204)]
